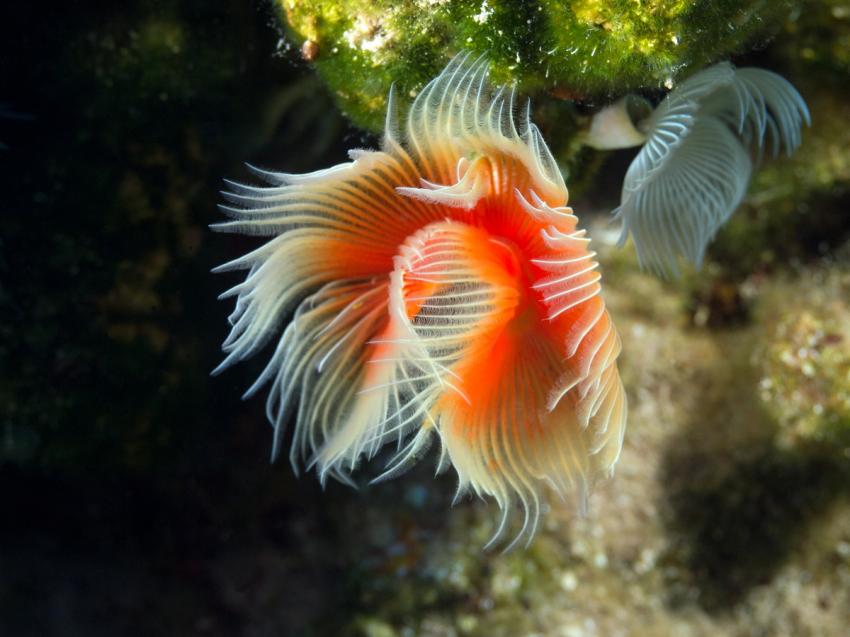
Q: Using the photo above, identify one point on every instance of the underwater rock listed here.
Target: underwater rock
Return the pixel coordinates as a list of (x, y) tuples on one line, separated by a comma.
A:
[(805, 358), (583, 48)]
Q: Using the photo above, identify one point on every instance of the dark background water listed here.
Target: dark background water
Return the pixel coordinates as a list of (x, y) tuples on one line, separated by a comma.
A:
[(137, 494)]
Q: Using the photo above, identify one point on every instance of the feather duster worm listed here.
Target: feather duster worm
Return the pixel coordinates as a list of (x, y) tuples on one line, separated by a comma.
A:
[(441, 289), (694, 167)]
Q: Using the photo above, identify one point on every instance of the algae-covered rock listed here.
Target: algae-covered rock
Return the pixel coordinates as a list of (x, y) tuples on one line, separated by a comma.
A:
[(578, 48)]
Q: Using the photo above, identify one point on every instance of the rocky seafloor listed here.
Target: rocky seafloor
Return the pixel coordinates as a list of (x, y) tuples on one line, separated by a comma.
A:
[(137, 494)]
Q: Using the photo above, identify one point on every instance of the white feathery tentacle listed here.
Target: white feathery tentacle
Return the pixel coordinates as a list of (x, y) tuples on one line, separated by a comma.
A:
[(694, 167)]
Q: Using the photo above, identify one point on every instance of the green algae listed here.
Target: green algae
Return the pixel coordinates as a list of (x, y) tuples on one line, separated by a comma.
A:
[(584, 49)]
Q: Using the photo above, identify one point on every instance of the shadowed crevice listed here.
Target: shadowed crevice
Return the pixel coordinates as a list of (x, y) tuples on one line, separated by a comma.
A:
[(738, 520)]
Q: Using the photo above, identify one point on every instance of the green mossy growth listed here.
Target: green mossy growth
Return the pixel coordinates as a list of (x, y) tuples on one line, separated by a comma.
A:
[(589, 49)]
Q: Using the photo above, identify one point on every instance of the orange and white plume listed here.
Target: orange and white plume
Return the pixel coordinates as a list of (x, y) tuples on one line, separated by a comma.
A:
[(438, 288)]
